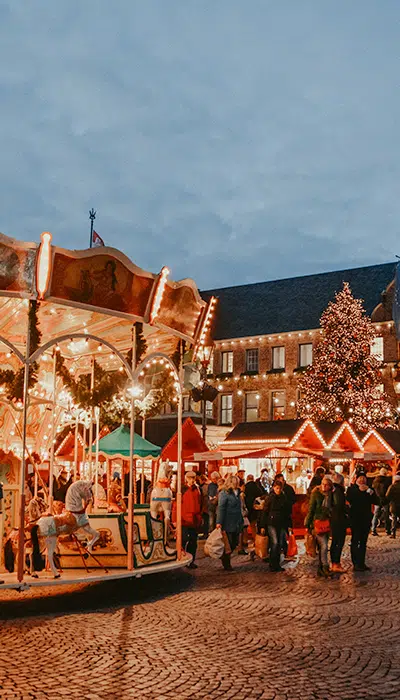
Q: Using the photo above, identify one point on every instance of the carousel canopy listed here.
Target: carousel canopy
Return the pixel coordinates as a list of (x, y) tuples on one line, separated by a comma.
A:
[(117, 444)]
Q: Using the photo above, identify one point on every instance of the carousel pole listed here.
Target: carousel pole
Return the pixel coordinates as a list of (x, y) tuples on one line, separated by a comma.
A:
[(96, 486), (132, 480), (142, 493), (91, 423), (21, 530), (179, 459), (76, 447), (53, 431)]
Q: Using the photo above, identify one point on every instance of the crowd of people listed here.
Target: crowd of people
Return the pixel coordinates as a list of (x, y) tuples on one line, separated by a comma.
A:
[(245, 508)]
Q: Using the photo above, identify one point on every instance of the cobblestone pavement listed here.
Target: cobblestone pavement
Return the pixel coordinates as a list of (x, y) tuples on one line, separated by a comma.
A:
[(211, 634)]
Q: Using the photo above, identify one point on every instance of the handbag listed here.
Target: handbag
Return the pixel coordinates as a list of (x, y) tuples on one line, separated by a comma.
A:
[(214, 546), (292, 546), (261, 546), (322, 527), (311, 547)]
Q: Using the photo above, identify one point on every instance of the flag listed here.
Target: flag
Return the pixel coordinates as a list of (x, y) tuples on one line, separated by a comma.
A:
[(97, 241), (396, 301)]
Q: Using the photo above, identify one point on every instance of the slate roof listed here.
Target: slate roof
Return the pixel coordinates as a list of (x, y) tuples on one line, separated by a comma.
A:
[(292, 304), (271, 429)]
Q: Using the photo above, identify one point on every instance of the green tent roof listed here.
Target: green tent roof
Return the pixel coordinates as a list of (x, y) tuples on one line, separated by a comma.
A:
[(117, 444)]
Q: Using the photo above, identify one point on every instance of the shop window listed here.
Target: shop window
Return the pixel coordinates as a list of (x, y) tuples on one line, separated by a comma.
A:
[(278, 357), (251, 406), (252, 360), (227, 362), (305, 354), (278, 405), (209, 409), (226, 409), (377, 348)]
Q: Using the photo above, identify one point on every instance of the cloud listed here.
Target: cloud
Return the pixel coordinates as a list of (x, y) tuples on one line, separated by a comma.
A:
[(233, 141)]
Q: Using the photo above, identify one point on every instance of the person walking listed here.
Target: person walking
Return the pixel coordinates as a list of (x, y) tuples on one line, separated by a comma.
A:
[(229, 516), (318, 522), (380, 485), (338, 522), (361, 499), (274, 519), (252, 491), (191, 516), (393, 499), (203, 485), (212, 499), (290, 501)]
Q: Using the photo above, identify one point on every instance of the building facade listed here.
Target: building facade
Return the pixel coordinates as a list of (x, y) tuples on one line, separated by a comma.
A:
[(264, 336)]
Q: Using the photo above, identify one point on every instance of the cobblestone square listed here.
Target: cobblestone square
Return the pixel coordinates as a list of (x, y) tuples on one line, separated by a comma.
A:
[(211, 634)]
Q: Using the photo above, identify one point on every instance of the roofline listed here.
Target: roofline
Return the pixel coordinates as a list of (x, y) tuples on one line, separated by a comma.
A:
[(297, 277)]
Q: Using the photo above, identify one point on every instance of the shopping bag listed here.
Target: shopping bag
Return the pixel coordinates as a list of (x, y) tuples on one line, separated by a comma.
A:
[(214, 546), (261, 546), (311, 547), (292, 546)]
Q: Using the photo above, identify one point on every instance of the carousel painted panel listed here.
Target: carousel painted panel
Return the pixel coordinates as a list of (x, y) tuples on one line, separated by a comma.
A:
[(17, 267)]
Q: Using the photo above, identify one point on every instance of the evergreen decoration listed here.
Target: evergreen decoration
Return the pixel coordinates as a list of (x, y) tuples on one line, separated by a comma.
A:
[(14, 381), (106, 384), (141, 345), (344, 381)]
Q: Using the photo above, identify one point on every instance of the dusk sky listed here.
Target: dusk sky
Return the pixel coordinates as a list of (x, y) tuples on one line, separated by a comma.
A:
[(234, 141)]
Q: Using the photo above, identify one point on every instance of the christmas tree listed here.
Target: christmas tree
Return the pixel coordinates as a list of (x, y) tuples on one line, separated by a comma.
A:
[(344, 381)]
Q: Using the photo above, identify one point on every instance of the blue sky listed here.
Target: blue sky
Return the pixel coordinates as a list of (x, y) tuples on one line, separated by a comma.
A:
[(235, 141)]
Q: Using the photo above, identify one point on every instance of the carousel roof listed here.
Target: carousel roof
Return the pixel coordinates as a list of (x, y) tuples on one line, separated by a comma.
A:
[(117, 444)]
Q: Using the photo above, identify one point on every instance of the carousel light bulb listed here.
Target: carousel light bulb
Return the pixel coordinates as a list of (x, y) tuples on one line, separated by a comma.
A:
[(112, 356), (57, 348), (12, 432), (8, 354), (121, 369), (99, 348), (45, 437)]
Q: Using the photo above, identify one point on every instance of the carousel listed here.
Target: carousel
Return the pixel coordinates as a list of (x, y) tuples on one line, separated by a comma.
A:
[(89, 342)]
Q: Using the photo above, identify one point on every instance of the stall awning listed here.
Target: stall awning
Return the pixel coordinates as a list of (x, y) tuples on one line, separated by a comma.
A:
[(117, 444), (192, 443)]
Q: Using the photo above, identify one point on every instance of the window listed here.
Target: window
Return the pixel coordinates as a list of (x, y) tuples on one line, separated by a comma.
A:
[(278, 403), (227, 362), (251, 406), (278, 358), (226, 409), (305, 354), (209, 409), (252, 360), (377, 348)]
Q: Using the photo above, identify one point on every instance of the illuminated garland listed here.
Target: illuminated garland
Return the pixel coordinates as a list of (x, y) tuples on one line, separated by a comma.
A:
[(14, 381)]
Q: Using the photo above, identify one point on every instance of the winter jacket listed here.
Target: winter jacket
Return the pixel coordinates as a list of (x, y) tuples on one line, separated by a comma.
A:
[(316, 509), (191, 506), (393, 495), (275, 511), (339, 508), (380, 485), (229, 513), (290, 494), (361, 503), (252, 491)]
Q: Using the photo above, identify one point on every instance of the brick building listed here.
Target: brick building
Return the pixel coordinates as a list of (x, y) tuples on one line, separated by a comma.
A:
[(264, 336)]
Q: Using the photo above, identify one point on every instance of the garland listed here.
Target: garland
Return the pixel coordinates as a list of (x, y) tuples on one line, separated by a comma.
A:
[(14, 381)]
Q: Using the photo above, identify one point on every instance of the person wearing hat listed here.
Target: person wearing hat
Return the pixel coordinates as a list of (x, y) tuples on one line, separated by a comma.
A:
[(361, 499), (380, 485), (191, 516)]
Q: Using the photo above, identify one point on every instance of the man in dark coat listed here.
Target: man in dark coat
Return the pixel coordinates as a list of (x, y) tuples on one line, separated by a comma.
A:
[(361, 499), (252, 490), (380, 485), (290, 501)]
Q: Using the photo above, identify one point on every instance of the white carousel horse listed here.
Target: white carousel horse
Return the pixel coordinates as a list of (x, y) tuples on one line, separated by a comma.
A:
[(50, 527), (161, 495)]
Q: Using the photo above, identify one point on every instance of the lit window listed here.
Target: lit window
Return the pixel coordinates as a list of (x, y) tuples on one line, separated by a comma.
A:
[(278, 404), (209, 409), (278, 357), (252, 360), (251, 406), (377, 348), (226, 409), (305, 354), (227, 362)]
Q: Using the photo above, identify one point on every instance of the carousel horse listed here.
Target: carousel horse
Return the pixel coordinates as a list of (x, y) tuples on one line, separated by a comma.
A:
[(161, 495), (75, 518)]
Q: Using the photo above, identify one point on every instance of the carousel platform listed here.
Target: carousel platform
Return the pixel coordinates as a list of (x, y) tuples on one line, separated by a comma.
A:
[(71, 577)]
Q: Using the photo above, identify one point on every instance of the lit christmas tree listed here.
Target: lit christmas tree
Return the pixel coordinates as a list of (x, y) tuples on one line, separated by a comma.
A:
[(344, 382)]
